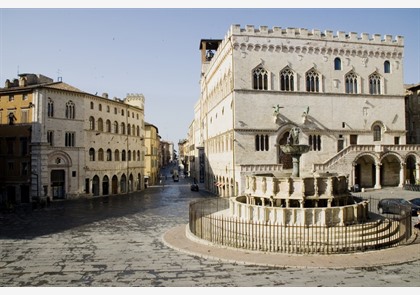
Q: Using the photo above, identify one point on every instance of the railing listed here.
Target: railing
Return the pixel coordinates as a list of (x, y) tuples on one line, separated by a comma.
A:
[(209, 221)]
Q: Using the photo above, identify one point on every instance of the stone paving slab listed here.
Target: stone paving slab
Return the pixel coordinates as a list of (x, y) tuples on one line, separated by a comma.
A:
[(181, 239)]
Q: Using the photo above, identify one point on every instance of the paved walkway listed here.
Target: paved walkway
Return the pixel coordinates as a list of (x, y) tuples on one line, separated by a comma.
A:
[(181, 239)]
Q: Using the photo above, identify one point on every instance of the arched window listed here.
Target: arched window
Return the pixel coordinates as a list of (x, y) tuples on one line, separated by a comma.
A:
[(91, 123), (260, 76), (312, 81), (100, 125), (91, 154), (122, 128), (351, 83), (287, 80), (337, 64), (100, 107), (377, 130), (116, 155), (70, 110), (387, 67), (91, 105), (108, 155), (108, 126), (100, 155), (129, 155), (50, 108), (138, 155), (123, 155), (138, 131), (128, 129), (374, 84), (115, 127)]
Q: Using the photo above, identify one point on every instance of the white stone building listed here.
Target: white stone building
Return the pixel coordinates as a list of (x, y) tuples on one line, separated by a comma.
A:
[(344, 91)]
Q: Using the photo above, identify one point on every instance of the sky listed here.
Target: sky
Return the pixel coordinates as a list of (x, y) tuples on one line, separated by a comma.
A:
[(155, 51)]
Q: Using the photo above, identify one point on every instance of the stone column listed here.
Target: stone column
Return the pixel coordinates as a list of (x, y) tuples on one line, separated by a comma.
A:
[(378, 176), (402, 175)]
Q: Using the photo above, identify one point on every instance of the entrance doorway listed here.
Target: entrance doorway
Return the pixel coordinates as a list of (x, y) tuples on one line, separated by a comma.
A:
[(58, 184)]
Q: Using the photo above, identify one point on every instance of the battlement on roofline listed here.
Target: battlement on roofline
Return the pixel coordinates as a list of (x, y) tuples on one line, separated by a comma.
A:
[(300, 33)]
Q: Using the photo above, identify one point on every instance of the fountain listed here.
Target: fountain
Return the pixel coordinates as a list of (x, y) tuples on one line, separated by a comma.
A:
[(310, 213), (295, 149)]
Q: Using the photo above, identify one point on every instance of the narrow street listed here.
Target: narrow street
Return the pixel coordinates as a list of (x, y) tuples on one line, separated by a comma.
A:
[(117, 241)]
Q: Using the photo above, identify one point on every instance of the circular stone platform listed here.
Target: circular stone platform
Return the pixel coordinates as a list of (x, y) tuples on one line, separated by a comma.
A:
[(180, 239)]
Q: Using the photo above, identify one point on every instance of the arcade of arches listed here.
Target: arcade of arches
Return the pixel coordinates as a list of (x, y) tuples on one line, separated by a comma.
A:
[(113, 186), (369, 170)]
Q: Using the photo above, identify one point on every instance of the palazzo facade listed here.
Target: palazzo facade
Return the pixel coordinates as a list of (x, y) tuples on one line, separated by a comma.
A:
[(344, 91), (72, 143)]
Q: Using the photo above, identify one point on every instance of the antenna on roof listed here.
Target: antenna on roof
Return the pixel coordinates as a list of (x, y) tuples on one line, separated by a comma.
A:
[(59, 78)]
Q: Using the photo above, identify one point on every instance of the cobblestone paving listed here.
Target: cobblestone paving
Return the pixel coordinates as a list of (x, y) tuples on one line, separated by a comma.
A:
[(117, 241)]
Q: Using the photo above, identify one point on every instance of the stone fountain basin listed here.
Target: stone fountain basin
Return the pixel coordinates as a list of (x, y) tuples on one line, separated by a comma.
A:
[(295, 149)]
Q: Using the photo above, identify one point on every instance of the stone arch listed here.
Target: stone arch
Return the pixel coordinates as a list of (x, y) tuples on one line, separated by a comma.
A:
[(60, 158), (364, 165), (114, 185), (411, 161), (105, 185), (390, 169), (95, 185), (281, 139)]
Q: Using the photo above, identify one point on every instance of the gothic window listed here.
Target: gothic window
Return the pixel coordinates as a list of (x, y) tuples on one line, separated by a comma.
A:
[(70, 110), (315, 142), (261, 142), (377, 133), (70, 139), (91, 123), (50, 137), (50, 108), (337, 64), (128, 129), (116, 155), (108, 126), (260, 79), (287, 80), (108, 155), (100, 107), (91, 154), (351, 83), (123, 155), (374, 84), (387, 67), (91, 105), (312, 81)]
